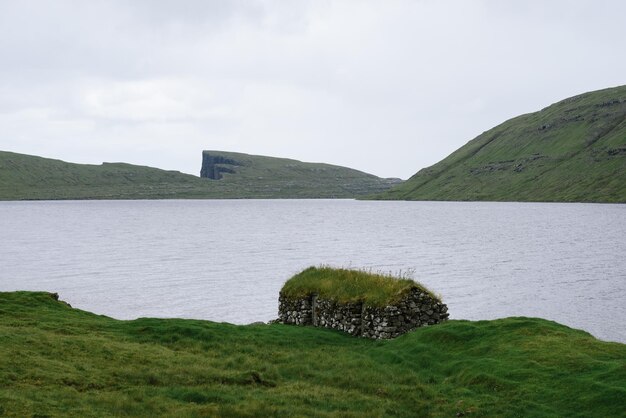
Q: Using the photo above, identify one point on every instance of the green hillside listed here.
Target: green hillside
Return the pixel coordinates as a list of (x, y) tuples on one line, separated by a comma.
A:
[(59, 361), (30, 177), (259, 176), (572, 151)]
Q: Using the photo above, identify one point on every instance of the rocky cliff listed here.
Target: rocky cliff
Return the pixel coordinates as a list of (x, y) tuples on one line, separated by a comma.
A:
[(214, 165)]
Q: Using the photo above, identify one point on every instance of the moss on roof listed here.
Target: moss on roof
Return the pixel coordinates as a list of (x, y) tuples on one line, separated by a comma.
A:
[(344, 285)]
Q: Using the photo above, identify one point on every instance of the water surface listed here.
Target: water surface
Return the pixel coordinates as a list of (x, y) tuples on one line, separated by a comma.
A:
[(225, 260)]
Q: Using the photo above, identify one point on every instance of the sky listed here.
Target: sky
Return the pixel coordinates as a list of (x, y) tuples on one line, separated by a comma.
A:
[(386, 87)]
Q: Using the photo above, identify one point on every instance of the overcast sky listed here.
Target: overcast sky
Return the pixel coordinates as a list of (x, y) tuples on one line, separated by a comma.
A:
[(387, 87)]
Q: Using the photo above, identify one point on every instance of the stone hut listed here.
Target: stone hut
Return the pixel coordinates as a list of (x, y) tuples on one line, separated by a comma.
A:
[(408, 306)]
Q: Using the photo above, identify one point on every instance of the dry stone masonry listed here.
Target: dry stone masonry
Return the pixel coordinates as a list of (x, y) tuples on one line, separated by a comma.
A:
[(417, 308)]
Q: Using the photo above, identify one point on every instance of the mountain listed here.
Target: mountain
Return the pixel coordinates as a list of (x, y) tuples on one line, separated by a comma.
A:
[(260, 176), (571, 151), (27, 177)]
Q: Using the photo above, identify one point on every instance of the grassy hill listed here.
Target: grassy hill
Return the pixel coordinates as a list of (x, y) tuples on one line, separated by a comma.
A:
[(30, 177), (59, 361), (260, 176), (572, 151)]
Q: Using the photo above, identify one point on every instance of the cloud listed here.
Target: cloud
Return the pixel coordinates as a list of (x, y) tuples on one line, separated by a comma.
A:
[(385, 87), (155, 100)]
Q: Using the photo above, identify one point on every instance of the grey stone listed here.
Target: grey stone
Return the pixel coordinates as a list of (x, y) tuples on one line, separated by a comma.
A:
[(417, 309)]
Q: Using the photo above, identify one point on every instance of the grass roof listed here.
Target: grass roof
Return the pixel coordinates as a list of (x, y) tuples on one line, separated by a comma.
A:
[(344, 285)]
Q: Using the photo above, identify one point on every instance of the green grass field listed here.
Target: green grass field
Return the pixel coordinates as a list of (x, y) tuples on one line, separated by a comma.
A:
[(59, 361), (35, 178), (572, 151)]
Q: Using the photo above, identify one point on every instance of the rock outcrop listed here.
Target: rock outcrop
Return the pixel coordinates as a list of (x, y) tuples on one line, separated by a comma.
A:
[(213, 166)]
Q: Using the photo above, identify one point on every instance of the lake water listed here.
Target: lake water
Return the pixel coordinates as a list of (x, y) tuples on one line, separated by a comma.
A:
[(225, 260)]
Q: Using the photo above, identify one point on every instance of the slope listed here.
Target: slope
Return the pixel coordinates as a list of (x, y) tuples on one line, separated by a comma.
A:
[(574, 150)]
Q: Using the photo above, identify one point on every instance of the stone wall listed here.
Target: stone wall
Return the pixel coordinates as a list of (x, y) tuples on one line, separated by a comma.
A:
[(416, 309), (295, 311)]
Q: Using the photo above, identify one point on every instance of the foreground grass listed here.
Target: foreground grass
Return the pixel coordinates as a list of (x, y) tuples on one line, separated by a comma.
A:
[(348, 286), (58, 361)]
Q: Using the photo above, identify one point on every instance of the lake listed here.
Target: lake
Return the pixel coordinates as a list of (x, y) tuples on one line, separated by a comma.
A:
[(226, 260)]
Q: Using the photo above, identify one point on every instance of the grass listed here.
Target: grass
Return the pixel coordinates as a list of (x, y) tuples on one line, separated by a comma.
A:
[(34, 178), (59, 361), (343, 285), (572, 151)]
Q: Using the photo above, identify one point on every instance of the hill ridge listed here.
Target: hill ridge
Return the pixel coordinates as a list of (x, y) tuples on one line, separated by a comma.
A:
[(28, 177)]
